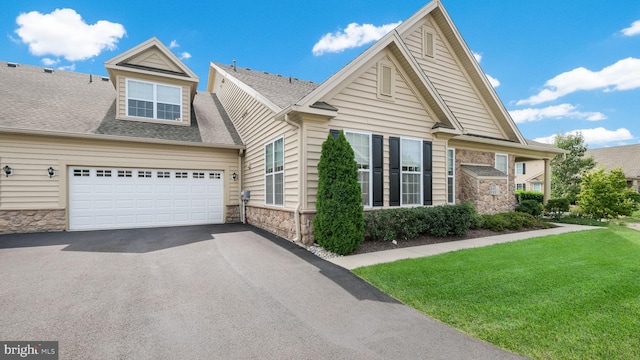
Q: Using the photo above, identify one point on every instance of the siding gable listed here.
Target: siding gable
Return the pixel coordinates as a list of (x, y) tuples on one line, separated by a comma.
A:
[(153, 58), (452, 81)]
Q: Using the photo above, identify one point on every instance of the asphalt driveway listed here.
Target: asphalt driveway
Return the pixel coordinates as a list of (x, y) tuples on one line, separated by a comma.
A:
[(205, 292)]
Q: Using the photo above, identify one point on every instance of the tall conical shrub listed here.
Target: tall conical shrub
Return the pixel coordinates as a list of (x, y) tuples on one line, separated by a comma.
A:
[(339, 221)]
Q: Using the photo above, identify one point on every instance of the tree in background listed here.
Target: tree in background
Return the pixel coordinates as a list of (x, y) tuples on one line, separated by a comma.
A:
[(606, 195), (567, 171), (339, 221)]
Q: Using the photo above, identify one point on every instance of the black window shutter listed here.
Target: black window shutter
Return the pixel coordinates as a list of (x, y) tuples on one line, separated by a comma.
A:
[(394, 171), (335, 133), (524, 168), (378, 192), (427, 173)]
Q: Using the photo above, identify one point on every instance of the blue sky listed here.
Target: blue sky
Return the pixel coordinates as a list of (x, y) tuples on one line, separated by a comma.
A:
[(558, 66)]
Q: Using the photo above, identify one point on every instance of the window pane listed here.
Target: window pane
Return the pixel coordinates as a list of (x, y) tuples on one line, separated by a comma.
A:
[(269, 189), (139, 90), (501, 163), (360, 145), (269, 158), (168, 94), (411, 189), (363, 179), (169, 112), (278, 154), (450, 161), (140, 108), (279, 189), (411, 154), (450, 194)]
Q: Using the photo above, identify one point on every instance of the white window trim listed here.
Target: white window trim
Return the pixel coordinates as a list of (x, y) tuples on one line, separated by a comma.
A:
[(380, 79), (273, 142), (370, 163), (155, 100), (421, 177), (453, 176)]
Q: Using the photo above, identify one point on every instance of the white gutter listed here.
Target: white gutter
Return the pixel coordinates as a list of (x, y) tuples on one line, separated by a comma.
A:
[(296, 213)]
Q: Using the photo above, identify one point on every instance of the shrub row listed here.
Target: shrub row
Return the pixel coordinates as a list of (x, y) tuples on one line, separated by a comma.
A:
[(523, 195), (407, 223), (509, 220)]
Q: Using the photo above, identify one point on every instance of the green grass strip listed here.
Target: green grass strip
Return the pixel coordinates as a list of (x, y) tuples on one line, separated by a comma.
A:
[(571, 296)]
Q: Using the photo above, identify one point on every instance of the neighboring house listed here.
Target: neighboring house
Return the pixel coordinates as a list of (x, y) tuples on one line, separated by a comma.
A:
[(625, 157), (143, 148), (426, 126), (529, 175), (140, 148)]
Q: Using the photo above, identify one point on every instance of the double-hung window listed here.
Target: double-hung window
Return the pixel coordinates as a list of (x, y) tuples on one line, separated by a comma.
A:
[(154, 101), (411, 171), (361, 145), (451, 174), (520, 168), (274, 172)]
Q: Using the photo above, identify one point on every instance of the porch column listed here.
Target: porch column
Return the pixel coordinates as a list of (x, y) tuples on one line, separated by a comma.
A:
[(547, 180)]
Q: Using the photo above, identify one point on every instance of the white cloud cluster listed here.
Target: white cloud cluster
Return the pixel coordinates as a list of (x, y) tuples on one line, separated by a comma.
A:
[(597, 136), (493, 81), (173, 44), (185, 55), (555, 111), (632, 30), (64, 33), (354, 35), (623, 75)]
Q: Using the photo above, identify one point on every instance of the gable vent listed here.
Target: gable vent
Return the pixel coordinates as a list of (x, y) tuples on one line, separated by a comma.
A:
[(104, 78), (12, 64), (48, 71)]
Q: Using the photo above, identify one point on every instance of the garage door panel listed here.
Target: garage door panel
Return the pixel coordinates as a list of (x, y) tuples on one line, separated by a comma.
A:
[(103, 198)]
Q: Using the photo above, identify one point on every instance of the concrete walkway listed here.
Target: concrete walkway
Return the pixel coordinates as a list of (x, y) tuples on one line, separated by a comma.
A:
[(355, 261)]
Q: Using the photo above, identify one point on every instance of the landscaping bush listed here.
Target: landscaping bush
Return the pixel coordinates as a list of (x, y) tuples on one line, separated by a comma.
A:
[(556, 207), (508, 220), (407, 223), (339, 221), (523, 195), (531, 207)]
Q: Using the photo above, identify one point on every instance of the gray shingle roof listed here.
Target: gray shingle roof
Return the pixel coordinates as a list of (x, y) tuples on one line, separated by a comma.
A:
[(483, 170), (626, 157), (281, 90), (83, 104)]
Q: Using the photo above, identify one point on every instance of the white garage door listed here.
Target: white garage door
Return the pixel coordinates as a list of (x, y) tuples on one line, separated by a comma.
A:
[(117, 198)]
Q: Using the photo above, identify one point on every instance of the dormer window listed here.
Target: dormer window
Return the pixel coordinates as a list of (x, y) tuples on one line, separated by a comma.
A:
[(154, 101)]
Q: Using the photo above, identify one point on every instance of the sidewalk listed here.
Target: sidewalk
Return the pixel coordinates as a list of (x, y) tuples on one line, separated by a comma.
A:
[(354, 261)]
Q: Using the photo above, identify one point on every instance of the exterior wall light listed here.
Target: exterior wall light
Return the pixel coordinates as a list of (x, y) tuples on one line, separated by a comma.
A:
[(234, 176), (50, 171), (7, 170)]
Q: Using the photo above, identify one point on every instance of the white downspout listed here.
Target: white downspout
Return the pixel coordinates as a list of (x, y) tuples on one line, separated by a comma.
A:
[(300, 170)]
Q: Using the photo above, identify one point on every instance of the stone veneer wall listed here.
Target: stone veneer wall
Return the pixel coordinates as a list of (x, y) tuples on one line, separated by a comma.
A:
[(477, 191), (280, 222), (233, 214), (23, 221)]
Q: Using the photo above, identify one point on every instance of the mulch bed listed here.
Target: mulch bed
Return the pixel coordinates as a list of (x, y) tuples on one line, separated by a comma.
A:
[(371, 246)]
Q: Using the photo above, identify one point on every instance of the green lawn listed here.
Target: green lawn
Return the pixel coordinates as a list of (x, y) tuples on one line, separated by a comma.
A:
[(571, 296)]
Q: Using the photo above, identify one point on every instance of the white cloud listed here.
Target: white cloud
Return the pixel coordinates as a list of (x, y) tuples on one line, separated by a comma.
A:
[(64, 33), (555, 111), (185, 55), (623, 75), (173, 44), (493, 81), (632, 30), (477, 56), (354, 35), (71, 67), (597, 136), (50, 62)]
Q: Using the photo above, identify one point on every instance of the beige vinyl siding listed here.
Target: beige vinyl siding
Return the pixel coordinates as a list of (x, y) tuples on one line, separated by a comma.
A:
[(31, 188), (256, 125), (122, 98), (362, 110), (453, 83), (154, 58)]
